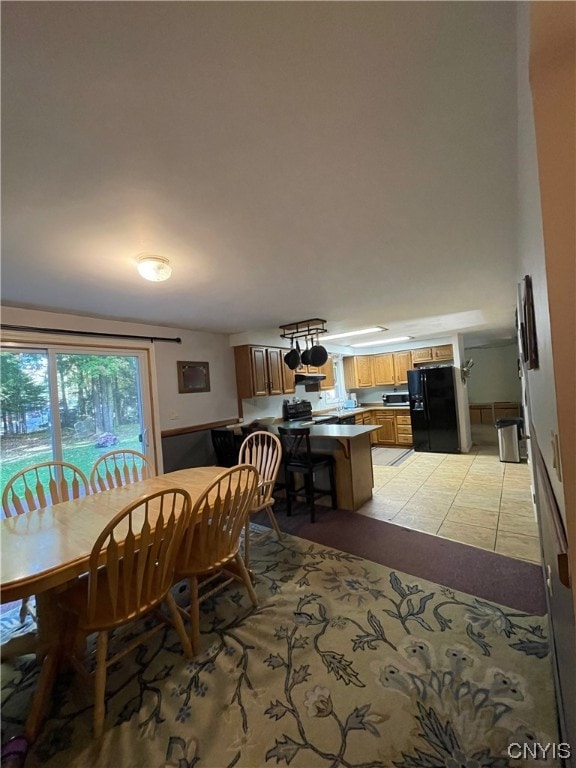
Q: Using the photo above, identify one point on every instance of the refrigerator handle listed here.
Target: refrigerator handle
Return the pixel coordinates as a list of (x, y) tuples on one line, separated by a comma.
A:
[(425, 398)]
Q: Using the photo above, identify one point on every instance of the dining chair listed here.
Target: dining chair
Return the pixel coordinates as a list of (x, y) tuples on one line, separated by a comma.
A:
[(262, 450), (42, 485), (211, 545), (119, 467), (226, 445), (130, 573), (298, 459)]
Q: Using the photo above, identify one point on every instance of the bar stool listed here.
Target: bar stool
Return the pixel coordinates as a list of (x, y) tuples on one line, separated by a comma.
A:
[(298, 459)]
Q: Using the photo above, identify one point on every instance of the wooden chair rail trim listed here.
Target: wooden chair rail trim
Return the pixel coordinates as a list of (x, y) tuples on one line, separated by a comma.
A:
[(197, 428)]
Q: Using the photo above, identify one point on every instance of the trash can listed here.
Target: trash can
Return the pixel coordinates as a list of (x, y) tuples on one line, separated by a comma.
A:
[(509, 436)]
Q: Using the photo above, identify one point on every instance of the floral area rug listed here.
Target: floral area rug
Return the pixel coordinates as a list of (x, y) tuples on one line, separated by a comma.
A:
[(343, 663)]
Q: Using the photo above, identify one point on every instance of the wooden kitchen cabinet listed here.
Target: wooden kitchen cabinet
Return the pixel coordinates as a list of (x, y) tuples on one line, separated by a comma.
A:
[(386, 434), (506, 410), (403, 428), (259, 371), (358, 371), (289, 376), (383, 369), (423, 355), (402, 364), (275, 364), (443, 352), (328, 370)]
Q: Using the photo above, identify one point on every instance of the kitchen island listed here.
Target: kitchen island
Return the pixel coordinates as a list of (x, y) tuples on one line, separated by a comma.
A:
[(351, 448)]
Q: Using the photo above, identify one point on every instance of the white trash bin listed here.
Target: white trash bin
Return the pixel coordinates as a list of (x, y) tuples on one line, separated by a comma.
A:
[(509, 436)]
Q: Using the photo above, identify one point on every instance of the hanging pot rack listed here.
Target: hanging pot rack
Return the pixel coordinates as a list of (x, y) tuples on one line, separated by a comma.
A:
[(303, 329)]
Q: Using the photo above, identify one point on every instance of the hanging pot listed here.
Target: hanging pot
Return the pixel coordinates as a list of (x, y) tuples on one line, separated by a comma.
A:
[(305, 356), (292, 358), (318, 355)]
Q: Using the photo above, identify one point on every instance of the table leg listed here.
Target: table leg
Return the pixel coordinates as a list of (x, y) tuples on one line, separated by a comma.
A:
[(51, 629), (42, 695)]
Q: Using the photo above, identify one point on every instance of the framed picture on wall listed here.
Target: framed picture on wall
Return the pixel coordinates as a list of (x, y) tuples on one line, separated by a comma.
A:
[(193, 376), (531, 340)]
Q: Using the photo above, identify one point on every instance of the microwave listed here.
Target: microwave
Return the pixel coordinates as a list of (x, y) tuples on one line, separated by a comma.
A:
[(395, 398)]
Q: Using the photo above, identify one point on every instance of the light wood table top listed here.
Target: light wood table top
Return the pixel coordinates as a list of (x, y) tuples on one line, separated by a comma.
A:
[(48, 547)]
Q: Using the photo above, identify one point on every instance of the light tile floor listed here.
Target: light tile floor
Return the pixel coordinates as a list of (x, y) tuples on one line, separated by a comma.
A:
[(472, 498)]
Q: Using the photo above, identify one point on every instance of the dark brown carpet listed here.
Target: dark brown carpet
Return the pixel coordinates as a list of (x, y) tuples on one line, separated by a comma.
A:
[(487, 575)]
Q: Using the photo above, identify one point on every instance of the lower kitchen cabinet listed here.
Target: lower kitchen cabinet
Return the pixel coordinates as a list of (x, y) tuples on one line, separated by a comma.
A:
[(386, 435), (395, 427), (403, 429)]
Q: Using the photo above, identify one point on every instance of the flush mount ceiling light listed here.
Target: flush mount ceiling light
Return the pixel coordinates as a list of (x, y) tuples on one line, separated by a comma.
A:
[(382, 341), (155, 268), (376, 329)]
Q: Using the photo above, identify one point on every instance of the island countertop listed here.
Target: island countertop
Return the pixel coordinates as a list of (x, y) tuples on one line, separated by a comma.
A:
[(335, 431)]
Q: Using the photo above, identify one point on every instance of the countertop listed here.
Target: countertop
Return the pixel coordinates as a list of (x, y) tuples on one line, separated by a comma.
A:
[(362, 409), (349, 431)]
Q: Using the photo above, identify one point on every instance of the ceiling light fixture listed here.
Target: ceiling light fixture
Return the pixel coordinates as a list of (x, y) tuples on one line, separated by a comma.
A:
[(382, 341), (155, 268), (376, 329)]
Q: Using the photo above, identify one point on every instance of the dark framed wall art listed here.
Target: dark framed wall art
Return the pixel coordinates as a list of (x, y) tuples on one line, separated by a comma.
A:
[(528, 326), (193, 376)]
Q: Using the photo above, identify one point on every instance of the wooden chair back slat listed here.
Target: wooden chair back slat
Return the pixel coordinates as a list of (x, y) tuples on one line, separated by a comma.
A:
[(54, 488), (217, 519), (120, 467), (140, 570), (43, 485), (262, 450)]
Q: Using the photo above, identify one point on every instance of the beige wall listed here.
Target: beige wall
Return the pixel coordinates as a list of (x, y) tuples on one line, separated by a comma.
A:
[(494, 376)]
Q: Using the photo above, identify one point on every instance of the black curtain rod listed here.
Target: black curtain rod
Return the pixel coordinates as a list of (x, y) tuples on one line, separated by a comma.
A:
[(171, 340)]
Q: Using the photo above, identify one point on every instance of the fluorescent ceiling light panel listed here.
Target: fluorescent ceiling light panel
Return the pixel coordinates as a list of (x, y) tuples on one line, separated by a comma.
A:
[(377, 329), (382, 341)]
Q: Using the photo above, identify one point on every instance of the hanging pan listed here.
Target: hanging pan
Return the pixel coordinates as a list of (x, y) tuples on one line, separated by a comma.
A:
[(318, 355), (305, 356), (292, 358)]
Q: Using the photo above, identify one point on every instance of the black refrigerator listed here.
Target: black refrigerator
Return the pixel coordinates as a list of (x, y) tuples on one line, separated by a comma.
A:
[(432, 397)]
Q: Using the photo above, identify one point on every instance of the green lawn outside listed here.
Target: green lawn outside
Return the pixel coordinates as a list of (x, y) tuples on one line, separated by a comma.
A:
[(82, 454)]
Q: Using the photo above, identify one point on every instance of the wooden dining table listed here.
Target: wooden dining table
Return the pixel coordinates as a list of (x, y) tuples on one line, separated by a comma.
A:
[(44, 549)]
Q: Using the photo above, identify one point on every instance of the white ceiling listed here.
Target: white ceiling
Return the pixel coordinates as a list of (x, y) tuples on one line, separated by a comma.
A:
[(349, 161)]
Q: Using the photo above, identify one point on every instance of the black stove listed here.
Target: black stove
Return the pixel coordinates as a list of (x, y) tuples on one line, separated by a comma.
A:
[(301, 411)]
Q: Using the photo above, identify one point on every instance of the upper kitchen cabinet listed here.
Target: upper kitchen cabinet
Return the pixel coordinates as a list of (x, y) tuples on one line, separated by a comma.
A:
[(432, 354), (259, 371), (402, 364), (288, 374), (383, 369), (443, 352), (423, 355), (358, 371), (328, 370)]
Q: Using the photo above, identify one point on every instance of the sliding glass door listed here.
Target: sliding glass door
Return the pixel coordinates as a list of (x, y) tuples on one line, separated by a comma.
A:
[(71, 405)]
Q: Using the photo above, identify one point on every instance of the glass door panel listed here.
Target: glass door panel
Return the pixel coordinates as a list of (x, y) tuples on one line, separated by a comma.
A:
[(27, 425), (65, 405), (100, 406)]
